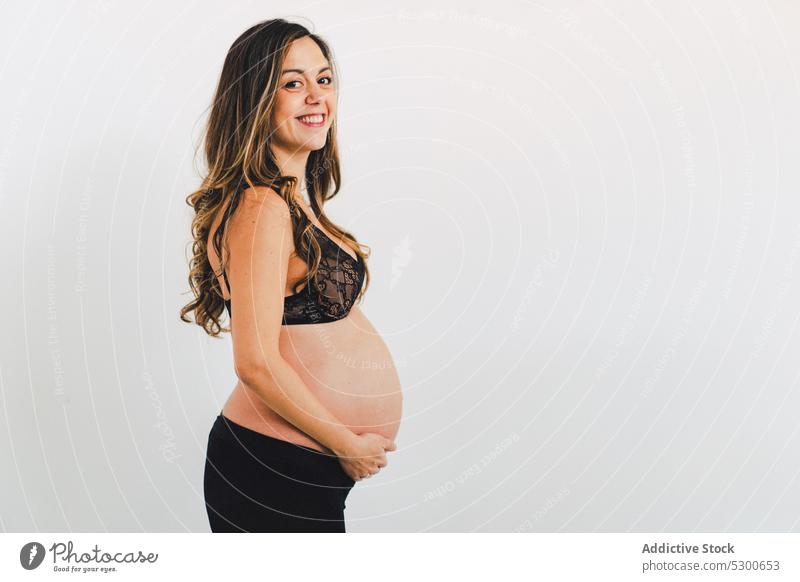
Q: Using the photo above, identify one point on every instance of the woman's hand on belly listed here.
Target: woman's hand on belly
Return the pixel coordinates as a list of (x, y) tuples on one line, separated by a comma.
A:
[(365, 455)]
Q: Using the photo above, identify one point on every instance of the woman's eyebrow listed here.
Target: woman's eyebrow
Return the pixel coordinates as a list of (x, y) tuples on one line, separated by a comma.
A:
[(301, 71)]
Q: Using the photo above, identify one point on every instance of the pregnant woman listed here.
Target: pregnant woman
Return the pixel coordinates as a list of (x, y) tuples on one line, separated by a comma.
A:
[(318, 402)]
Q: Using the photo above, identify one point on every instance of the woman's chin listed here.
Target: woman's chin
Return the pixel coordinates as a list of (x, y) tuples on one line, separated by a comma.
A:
[(311, 145)]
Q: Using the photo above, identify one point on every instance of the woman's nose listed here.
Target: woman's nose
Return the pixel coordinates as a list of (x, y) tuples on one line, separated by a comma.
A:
[(314, 94)]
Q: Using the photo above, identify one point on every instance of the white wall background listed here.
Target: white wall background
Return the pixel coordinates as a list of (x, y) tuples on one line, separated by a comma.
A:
[(585, 232)]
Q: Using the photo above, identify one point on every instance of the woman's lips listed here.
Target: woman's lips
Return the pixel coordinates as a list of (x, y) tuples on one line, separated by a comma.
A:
[(307, 124)]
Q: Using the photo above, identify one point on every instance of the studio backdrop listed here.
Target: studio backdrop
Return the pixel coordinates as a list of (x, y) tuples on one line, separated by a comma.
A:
[(585, 237)]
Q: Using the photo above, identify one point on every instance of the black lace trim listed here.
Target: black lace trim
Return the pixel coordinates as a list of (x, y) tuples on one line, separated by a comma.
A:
[(332, 295)]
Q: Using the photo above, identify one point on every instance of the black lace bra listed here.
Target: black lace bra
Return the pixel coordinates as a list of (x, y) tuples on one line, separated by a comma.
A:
[(338, 283)]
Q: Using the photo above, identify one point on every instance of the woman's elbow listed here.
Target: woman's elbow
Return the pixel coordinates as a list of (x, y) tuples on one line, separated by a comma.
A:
[(252, 371)]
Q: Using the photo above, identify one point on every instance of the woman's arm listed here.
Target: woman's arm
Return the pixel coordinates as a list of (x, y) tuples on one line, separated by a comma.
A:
[(260, 241), (282, 389)]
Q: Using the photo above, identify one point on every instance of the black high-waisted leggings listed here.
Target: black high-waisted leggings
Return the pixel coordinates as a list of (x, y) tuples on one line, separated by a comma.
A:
[(257, 483)]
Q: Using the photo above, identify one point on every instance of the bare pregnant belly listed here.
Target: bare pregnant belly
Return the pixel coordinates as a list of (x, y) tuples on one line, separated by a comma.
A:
[(349, 369)]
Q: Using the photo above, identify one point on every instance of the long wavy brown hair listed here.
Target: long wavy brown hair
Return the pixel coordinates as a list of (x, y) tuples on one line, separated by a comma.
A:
[(236, 143)]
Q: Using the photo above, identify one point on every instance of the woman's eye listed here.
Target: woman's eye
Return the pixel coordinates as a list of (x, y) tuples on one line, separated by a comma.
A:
[(289, 84)]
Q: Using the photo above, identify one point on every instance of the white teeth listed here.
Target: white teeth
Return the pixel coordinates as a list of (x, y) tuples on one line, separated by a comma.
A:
[(312, 118)]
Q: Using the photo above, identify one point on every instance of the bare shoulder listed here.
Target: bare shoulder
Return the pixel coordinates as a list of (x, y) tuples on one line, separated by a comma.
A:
[(264, 198), (261, 208)]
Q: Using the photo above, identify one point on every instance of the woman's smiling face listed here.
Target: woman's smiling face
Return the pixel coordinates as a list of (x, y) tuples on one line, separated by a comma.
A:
[(305, 91)]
